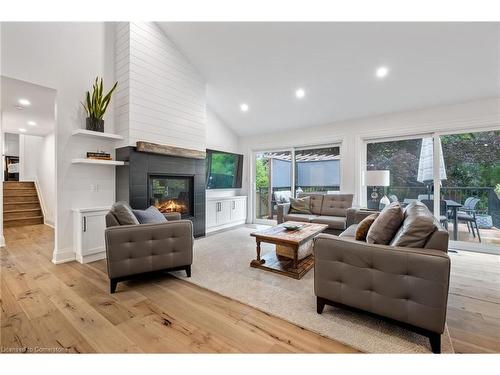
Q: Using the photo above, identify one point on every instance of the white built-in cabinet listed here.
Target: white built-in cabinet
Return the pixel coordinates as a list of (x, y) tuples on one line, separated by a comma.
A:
[(225, 212), (88, 233)]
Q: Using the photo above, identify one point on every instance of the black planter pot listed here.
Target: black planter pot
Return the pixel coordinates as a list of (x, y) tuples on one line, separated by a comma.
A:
[(95, 124)]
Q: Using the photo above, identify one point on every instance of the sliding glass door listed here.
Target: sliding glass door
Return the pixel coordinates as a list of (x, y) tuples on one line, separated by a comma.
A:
[(470, 190), (464, 168), (280, 175), (273, 183)]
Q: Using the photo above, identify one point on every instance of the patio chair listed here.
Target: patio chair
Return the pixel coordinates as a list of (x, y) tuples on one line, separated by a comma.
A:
[(443, 218), (279, 197), (468, 215)]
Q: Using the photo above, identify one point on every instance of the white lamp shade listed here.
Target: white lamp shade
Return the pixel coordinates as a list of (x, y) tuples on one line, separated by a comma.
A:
[(378, 178)]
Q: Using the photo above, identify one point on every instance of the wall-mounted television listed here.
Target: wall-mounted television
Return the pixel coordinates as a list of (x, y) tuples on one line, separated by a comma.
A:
[(224, 170)]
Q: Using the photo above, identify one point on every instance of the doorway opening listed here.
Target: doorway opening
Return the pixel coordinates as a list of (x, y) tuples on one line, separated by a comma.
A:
[(28, 160)]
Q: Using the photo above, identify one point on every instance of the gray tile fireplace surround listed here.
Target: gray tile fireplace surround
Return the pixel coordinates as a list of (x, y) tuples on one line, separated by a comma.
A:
[(132, 180)]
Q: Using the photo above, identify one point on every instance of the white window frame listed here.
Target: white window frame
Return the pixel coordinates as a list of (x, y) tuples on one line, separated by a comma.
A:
[(253, 187), (455, 245)]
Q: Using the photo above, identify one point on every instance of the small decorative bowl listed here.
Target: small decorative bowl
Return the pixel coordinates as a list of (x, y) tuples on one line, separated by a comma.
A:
[(292, 226)]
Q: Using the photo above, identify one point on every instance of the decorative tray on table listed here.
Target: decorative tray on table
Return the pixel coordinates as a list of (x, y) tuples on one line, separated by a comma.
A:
[(292, 226)]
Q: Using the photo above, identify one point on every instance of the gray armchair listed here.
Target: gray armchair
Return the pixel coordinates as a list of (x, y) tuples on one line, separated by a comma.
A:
[(134, 250)]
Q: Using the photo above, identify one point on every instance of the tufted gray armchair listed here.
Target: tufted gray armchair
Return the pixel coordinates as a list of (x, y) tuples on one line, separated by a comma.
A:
[(134, 250)]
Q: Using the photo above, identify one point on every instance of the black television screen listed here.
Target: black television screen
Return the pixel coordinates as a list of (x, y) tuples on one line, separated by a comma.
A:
[(224, 170)]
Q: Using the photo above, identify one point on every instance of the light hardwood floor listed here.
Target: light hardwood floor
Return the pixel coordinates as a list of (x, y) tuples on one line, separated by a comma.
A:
[(68, 307)]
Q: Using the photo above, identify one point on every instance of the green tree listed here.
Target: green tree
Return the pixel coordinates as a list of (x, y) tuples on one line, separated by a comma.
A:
[(262, 173)]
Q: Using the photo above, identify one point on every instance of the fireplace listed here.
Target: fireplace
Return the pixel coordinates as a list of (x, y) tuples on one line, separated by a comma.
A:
[(171, 194), (144, 179)]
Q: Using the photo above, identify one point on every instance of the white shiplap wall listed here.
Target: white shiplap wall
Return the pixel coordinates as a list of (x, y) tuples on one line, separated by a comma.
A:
[(122, 71), (162, 96)]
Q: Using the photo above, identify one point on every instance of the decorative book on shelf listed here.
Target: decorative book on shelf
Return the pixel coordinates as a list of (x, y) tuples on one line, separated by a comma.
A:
[(100, 155)]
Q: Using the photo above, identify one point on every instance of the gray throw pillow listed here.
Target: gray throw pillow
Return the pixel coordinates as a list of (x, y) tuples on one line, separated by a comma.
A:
[(417, 227), (151, 215), (385, 225), (124, 214), (300, 205)]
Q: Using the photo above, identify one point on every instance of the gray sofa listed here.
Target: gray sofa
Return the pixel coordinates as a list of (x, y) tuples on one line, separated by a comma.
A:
[(408, 286), (328, 209), (134, 250)]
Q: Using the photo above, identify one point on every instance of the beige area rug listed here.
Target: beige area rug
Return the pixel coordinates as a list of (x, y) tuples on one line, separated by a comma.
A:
[(222, 264)]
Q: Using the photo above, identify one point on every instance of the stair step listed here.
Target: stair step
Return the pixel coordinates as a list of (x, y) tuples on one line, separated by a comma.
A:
[(21, 206), (10, 188), (20, 199), (18, 184), (19, 192), (22, 214), (8, 223)]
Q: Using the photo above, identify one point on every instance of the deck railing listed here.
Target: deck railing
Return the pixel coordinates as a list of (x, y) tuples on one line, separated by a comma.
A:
[(489, 202)]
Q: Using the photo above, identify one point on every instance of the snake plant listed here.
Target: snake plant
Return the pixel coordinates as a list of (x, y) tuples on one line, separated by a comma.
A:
[(96, 104)]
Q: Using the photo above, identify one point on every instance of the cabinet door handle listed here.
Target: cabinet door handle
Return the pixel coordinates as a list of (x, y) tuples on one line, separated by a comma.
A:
[(234, 205), (84, 223)]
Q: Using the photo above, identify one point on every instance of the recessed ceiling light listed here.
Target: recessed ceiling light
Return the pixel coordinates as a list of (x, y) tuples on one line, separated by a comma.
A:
[(22, 130), (31, 123), (244, 107), (24, 102), (300, 93), (382, 72)]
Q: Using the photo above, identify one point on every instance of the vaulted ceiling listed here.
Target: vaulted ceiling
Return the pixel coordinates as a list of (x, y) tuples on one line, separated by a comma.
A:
[(262, 64)]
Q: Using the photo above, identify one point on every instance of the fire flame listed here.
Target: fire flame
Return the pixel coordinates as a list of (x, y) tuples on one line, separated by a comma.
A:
[(172, 205)]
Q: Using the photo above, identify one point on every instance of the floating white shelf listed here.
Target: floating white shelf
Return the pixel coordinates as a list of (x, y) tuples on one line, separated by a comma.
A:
[(90, 133), (97, 162)]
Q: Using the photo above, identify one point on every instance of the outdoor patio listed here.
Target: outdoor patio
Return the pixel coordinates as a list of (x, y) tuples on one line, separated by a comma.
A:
[(468, 179)]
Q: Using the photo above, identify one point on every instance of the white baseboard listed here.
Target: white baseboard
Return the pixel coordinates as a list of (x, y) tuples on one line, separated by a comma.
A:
[(63, 256), (49, 224), (91, 257)]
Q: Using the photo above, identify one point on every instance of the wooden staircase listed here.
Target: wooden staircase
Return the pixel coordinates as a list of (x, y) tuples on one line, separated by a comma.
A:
[(21, 205)]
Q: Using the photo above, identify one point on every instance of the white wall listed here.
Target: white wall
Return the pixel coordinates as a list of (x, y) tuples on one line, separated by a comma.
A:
[(11, 144), (30, 149), (66, 57), (163, 99), (474, 115), (37, 163), (46, 177), (219, 136)]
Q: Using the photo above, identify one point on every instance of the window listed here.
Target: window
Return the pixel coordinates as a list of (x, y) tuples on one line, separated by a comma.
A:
[(280, 175), (409, 163), (317, 170)]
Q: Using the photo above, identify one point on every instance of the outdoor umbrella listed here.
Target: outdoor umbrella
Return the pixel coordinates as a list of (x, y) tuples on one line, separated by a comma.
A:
[(425, 164)]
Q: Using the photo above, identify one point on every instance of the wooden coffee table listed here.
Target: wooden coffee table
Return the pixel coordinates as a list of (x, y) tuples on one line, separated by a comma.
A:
[(293, 255)]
